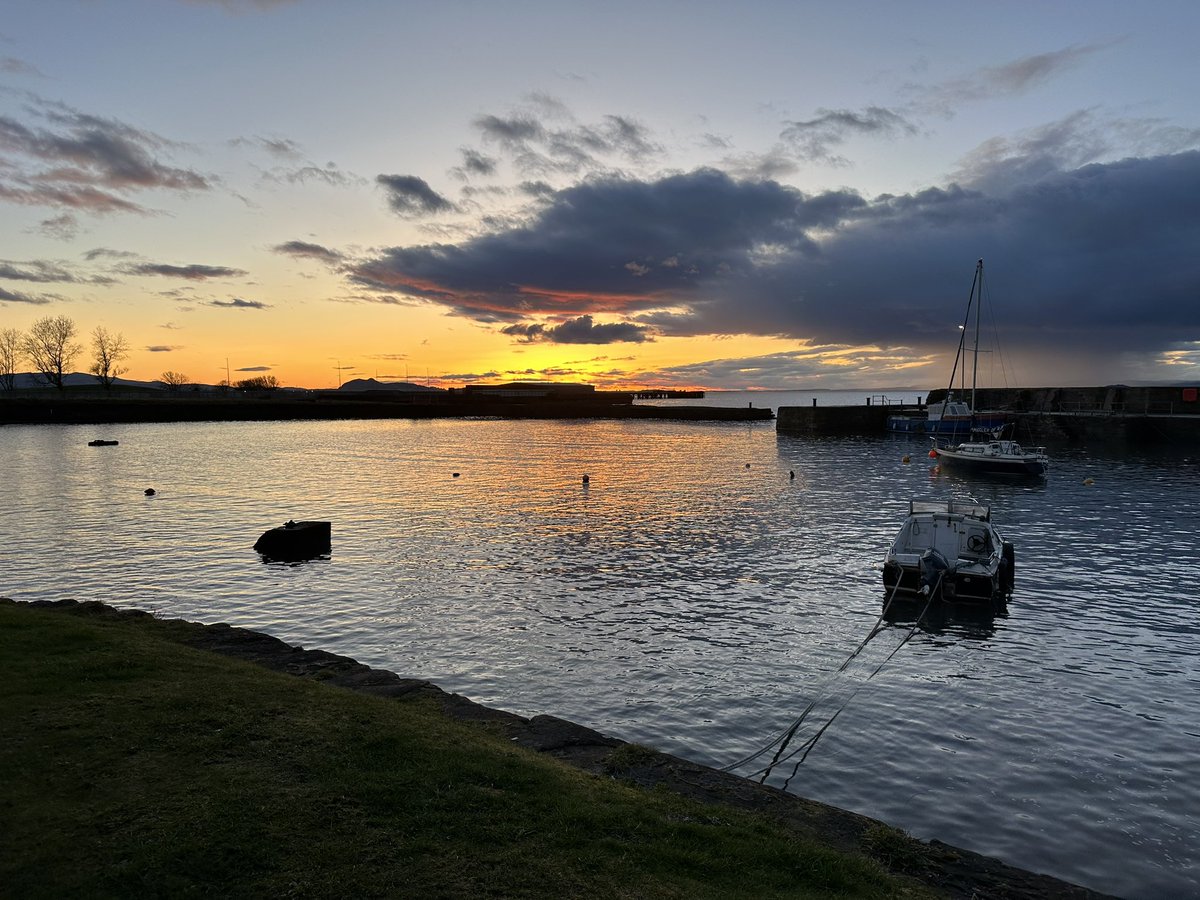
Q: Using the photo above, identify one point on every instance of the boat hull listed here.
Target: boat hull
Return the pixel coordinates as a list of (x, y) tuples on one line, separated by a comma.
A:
[(983, 465), (944, 427), (955, 587)]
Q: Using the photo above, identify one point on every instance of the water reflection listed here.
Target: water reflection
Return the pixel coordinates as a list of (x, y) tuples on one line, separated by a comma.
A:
[(962, 619), (688, 602)]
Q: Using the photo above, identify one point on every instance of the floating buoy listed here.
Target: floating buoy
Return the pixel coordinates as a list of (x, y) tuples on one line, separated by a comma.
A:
[(455, 474), (586, 479), (149, 492), (747, 465), (905, 458), (1088, 481), (933, 454), (791, 475)]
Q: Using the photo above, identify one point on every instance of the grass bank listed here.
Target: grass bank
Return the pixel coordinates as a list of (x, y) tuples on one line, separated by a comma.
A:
[(136, 766)]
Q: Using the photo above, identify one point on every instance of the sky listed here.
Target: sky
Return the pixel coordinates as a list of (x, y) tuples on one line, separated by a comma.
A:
[(774, 195)]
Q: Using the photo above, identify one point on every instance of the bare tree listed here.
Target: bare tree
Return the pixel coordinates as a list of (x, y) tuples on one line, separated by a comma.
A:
[(173, 380), (108, 350), (11, 351), (49, 346), (258, 383)]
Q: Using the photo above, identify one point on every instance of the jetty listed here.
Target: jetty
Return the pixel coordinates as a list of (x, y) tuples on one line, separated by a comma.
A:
[(1113, 414)]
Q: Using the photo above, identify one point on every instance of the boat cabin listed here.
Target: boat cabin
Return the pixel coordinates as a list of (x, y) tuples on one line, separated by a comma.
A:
[(955, 529)]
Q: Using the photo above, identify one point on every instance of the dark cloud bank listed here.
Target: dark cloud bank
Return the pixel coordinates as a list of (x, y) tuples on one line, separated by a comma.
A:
[(1101, 257)]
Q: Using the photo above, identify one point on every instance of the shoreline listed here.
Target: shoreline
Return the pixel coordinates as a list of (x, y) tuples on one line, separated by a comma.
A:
[(69, 410), (946, 869)]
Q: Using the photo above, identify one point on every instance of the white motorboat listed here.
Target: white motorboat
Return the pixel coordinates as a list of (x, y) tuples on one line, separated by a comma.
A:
[(950, 550)]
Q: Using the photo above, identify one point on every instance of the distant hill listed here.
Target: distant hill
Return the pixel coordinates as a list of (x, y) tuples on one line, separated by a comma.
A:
[(370, 384), (29, 381)]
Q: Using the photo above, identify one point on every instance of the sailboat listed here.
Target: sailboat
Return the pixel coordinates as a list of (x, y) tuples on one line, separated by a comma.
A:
[(988, 451)]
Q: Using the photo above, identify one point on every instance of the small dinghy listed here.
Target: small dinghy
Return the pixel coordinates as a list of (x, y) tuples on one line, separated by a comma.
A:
[(950, 550), (295, 540)]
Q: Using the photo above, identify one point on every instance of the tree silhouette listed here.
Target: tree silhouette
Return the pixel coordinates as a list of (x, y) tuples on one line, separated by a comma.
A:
[(173, 380), (11, 351), (108, 350), (49, 346), (258, 383)]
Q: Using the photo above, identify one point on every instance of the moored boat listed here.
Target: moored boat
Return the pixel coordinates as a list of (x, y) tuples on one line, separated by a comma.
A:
[(985, 451), (950, 550), (951, 417), (995, 456)]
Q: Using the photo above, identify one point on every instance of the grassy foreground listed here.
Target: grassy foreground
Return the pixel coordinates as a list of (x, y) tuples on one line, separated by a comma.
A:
[(133, 766)]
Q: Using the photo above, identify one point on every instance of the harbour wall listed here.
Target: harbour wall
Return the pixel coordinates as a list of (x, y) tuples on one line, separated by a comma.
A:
[(1113, 414)]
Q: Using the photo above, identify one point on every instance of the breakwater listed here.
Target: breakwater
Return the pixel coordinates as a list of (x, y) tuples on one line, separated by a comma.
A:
[(70, 410), (1113, 414)]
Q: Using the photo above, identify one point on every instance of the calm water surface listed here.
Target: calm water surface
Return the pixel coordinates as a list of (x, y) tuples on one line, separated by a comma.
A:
[(692, 597)]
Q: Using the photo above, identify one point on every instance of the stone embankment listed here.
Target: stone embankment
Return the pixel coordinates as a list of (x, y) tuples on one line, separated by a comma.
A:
[(948, 870), (1115, 414)]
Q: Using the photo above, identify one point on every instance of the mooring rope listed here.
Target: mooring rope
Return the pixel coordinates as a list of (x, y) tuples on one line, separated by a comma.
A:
[(785, 738)]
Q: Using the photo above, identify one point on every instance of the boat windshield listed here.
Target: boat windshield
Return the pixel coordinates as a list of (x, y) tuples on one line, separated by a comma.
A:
[(953, 507)]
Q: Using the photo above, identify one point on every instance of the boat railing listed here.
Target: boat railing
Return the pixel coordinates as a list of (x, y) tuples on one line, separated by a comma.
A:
[(885, 400)]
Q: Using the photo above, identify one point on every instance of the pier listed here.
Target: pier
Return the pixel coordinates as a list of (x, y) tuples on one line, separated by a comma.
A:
[(1113, 414)]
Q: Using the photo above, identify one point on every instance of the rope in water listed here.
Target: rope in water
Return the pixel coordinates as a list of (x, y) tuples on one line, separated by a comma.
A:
[(784, 739)]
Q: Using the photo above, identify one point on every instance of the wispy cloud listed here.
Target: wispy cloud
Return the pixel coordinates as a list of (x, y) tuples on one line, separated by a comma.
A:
[(195, 272), (814, 139), (239, 303), (307, 250), (66, 158), (7, 296), (411, 197)]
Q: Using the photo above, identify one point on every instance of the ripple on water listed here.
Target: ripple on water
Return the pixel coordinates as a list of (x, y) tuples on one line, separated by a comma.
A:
[(686, 601)]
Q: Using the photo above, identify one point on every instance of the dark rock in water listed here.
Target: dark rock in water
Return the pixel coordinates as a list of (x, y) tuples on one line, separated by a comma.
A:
[(100, 443), (295, 540)]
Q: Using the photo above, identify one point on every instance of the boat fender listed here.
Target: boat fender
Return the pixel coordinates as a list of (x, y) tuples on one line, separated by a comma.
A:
[(933, 566)]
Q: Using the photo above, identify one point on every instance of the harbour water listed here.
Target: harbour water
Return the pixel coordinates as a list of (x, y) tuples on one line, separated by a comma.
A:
[(692, 596)]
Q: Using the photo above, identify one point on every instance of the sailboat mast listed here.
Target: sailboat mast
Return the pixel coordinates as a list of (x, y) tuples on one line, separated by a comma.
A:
[(978, 307)]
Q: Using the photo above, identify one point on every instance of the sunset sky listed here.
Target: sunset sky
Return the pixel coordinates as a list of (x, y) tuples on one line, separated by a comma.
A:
[(716, 195)]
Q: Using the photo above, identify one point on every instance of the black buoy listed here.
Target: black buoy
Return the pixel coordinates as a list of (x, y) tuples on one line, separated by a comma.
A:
[(150, 492), (791, 475), (456, 474), (586, 479)]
